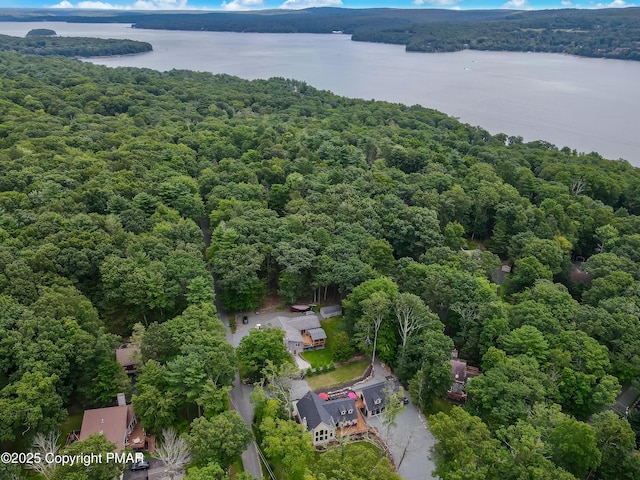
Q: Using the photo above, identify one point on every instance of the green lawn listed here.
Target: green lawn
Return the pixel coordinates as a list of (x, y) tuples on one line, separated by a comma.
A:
[(236, 469), (340, 375), (320, 358), (71, 423), (440, 405)]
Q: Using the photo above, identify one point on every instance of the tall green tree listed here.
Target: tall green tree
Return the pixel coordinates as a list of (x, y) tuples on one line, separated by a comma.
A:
[(220, 439), (260, 347)]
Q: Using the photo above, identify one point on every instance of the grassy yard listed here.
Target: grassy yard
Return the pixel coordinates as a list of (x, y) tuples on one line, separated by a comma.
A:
[(440, 405), (236, 469), (71, 423), (340, 375), (320, 358)]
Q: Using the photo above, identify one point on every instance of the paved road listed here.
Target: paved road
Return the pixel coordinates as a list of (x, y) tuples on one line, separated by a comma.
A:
[(240, 402), (625, 400), (155, 472), (410, 442)]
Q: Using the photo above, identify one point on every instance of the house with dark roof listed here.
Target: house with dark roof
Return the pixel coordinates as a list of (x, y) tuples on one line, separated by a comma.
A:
[(373, 398), (461, 373), (302, 333), (323, 418)]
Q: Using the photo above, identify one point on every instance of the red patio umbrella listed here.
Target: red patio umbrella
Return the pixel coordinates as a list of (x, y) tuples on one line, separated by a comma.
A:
[(352, 395), (323, 396)]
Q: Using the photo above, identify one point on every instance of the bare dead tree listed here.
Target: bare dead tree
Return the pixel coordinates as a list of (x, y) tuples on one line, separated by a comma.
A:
[(409, 312), (173, 452), (578, 185), (45, 445), (279, 382), (375, 310)]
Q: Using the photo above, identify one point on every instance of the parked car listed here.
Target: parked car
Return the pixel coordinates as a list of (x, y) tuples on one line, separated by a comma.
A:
[(245, 319), (139, 465)]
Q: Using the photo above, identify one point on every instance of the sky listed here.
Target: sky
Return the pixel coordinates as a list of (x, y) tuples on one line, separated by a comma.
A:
[(231, 5)]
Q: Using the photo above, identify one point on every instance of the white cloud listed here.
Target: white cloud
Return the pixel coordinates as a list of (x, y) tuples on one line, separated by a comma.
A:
[(134, 5), (242, 4), (518, 4), (90, 4), (442, 3), (295, 4), (614, 4), (160, 5), (566, 3)]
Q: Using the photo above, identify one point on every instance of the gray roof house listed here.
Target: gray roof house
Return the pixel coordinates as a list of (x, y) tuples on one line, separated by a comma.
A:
[(373, 397), (323, 418), (302, 333)]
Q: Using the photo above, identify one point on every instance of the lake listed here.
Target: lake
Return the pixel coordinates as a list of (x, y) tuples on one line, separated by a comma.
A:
[(583, 103)]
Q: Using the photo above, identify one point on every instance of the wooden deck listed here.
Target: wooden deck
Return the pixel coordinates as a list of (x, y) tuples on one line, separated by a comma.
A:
[(309, 343), (358, 428), (138, 440)]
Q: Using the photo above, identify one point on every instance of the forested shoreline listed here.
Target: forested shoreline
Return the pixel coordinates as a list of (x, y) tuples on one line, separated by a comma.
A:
[(72, 46), (106, 176), (601, 33)]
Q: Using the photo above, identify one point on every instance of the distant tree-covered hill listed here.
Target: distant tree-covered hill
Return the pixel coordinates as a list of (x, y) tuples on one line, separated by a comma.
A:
[(610, 33), (72, 46)]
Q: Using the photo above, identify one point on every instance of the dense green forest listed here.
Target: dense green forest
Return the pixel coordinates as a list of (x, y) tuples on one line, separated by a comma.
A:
[(41, 32), (589, 33), (71, 46), (609, 33), (122, 190)]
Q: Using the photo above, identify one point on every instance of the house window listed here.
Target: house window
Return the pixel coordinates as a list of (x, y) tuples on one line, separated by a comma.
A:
[(350, 410)]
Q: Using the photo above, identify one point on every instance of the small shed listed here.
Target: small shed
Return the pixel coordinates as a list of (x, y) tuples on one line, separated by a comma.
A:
[(330, 311)]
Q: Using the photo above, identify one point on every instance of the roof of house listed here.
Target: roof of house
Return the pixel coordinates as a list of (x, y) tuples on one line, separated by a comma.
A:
[(457, 387), (294, 326), (341, 409), (459, 370), (317, 333), (372, 393), (125, 356), (316, 411), (112, 422), (305, 322), (311, 409), (291, 334), (330, 311)]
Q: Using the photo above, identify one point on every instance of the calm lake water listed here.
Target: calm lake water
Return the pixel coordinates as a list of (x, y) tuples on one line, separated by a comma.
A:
[(583, 103)]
